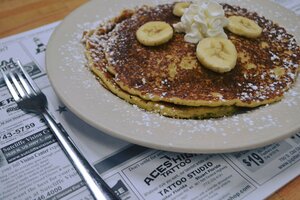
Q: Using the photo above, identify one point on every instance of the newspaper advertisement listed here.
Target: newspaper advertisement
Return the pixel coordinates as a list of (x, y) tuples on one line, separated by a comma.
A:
[(33, 166)]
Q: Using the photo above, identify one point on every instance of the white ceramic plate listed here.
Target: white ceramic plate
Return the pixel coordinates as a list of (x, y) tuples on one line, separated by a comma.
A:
[(84, 96)]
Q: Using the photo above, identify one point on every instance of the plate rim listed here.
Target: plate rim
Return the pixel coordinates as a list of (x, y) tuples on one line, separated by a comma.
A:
[(150, 144)]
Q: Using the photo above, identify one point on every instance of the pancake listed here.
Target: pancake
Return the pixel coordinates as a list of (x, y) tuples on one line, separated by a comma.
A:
[(98, 65), (169, 80), (266, 66)]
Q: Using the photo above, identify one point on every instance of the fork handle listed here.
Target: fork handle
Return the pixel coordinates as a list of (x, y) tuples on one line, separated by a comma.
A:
[(97, 186)]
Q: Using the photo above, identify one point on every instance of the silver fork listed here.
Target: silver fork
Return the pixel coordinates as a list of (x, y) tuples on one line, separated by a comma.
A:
[(31, 99)]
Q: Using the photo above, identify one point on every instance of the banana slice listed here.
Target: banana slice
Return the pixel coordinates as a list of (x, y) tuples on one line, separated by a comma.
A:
[(154, 33), (217, 54), (179, 8), (244, 27)]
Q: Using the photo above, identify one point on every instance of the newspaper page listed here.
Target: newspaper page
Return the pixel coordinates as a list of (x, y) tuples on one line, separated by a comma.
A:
[(33, 166)]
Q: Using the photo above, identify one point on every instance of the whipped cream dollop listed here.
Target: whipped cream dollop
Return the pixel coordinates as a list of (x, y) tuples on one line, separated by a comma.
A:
[(202, 19)]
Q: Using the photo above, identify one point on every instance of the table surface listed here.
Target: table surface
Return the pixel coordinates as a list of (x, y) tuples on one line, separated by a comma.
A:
[(17, 16)]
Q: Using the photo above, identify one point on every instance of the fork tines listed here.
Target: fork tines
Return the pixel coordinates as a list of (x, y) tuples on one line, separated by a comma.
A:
[(19, 82)]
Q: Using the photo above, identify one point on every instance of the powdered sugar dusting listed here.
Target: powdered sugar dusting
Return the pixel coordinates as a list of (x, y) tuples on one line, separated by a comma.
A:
[(146, 124)]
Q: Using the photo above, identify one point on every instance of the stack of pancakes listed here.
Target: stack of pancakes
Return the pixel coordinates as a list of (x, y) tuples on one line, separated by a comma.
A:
[(168, 79)]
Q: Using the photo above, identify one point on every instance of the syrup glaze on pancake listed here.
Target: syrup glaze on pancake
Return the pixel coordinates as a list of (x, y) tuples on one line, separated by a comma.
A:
[(266, 67), (98, 65)]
